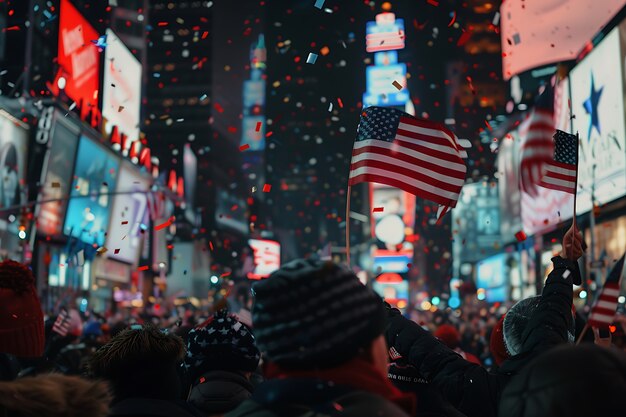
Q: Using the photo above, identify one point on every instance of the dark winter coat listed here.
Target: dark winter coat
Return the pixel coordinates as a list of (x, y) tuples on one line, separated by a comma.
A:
[(569, 381), (307, 397), (149, 407), (470, 387), (219, 392)]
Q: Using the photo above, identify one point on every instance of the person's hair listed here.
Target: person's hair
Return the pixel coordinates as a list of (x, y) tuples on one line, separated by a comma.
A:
[(140, 362)]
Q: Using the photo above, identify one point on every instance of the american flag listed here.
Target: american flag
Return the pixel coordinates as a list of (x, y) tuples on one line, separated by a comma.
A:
[(61, 325), (537, 145), (603, 311), (418, 156), (560, 173)]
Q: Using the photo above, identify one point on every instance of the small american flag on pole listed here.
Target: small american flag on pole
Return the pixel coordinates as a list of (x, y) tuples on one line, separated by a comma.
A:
[(603, 311), (560, 173), (61, 325), (418, 156)]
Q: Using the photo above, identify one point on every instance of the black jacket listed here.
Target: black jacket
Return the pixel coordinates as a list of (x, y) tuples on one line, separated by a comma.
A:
[(307, 397), (218, 392), (470, 387)]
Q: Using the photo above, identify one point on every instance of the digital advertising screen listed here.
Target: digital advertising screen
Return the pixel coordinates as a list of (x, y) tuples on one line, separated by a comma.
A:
[(121, 92), (79, 58), (380, 85), (266, 257), (393, 221), (253, 132), (129, 217), (385, 34), (393, 288), (598, 104), (13, 159), (58, 177), (253, 93), (231, 212), (491, 277), (95, 174), (540, 32)]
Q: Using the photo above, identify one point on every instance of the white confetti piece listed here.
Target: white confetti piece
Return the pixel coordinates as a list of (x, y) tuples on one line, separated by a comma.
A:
[(319, 3), (311, 58), (330, 107), (566, 274), (496, 19)]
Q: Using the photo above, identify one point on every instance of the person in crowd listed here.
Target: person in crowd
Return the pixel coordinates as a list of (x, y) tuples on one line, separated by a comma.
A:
[(321, 334), (470, 387), (141, 365), (221, 357), (450, 336), (54, 395), (569, 381)]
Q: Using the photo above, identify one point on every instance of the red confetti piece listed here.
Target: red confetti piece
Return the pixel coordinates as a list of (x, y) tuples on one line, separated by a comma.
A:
[(143, 268), (116, 251), (211, 245), (464, 38), (397, 85), (205, 34), (164, 225), (520, 236), (162, 24), (202, 379), (258, 126), (378, 209), (433, 2), (453, 19), (267, 188), (268, 134), (225, 274), (13, 28), (218, 108), (244, 147), (125, 222), (340, 102)]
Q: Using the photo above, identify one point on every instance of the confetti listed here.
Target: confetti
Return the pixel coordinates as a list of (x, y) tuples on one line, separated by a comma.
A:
[(267, 188), (325, 51), (203, 97), (319, 4), (330, 107), (566, 274), (120, 108), (125, 222), (496, 19), (164, 225), (225, 274), (453, 19), (101, 250), (116, 251), (516, 39), (464, 38), (143, 268), (211, 245), (244, 147), (340, 103), (258, 126), (311, 58), (520, 236), (56, 185), (397, 85), (433, 2), (101, 42), (378, 209)]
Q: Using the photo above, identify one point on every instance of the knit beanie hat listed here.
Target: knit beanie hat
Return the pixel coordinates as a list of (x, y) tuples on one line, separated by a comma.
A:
[(515, 322), (221, 343), (314, 314), (449, 335), (21, 318)]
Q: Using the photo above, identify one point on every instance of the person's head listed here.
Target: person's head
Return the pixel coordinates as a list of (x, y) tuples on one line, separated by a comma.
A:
[(54, 395), (449, 335), (21, 318), (141, 362), (221, 343), (314, 314), (569, 381), (506, 338)]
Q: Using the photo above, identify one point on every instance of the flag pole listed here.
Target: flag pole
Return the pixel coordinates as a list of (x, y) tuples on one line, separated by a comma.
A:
[(575, 194), (582, 333), (348, 225)]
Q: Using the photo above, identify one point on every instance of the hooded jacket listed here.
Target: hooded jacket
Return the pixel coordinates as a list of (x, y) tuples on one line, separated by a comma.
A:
[(470, 387), (54, 395)]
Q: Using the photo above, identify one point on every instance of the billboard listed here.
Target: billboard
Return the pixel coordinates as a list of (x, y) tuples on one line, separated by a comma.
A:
[(129, 215), (231, 212), (393, 288), (253, 93), (253, 132), (79, 59), (95, 172), (385, 34), (266, 257), (491, 277), (393, 220), (13, 159), (598, 103), (58, 175), (380, 88), (540, 32), (476, 222), (121, 93)]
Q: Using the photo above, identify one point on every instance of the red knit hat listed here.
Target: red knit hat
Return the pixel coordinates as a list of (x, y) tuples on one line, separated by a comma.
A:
[(497, 344), (449, 335), (21, 319)]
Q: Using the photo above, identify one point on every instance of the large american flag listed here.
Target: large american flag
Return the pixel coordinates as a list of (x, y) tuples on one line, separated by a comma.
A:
[(418, 156), (560, 173), (537, 145), (603, 311)]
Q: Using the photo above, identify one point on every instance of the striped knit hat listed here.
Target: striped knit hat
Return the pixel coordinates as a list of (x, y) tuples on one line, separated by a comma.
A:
[(314, 314)]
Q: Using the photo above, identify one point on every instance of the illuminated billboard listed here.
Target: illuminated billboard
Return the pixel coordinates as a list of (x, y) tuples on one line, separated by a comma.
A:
[(598, 103), (385, 34), (121, 95), (79, 59), (393, 288), (266, 257), (491, 278), (380, 85), (13, 170), (541, 32), (253, 93), (129, 215)]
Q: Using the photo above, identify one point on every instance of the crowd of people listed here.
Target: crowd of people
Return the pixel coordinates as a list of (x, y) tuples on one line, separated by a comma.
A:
[(320, 343)]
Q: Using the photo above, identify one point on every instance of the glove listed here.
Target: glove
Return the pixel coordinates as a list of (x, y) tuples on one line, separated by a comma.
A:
[(401, 334)]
